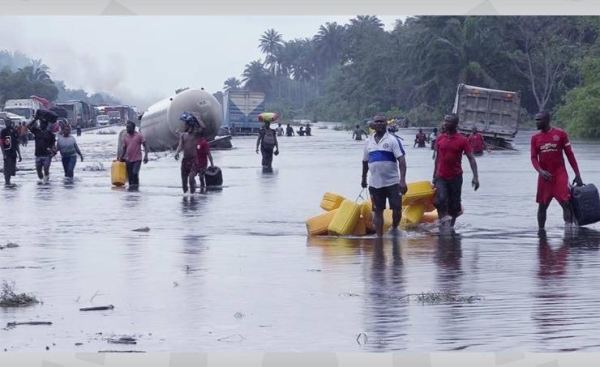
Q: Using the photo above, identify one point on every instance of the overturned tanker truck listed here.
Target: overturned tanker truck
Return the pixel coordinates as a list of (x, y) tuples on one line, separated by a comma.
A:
[(161, 127)]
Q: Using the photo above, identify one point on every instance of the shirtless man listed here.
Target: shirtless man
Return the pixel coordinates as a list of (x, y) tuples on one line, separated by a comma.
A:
[(189, 168)]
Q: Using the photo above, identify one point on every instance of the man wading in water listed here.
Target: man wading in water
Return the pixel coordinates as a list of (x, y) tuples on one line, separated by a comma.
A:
[(10, 151), (547, 149), (447, 173), (383, 156), (132, 154), (267, 141), (189, 167), (45, 143)]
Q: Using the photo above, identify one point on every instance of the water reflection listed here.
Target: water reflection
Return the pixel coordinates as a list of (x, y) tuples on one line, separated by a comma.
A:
[(453, 319), (385, 305), (189, 204), (551, 316)]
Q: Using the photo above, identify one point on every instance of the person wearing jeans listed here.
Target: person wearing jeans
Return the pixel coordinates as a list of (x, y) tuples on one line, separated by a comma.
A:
[(132, 154), (68, 148)]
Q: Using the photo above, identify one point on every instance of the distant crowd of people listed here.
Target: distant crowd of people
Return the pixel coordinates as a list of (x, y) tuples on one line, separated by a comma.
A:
[(47, 146)]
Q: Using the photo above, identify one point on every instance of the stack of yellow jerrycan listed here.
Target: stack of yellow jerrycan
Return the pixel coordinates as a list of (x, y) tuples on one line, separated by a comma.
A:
[(118, 173), (344, 217)]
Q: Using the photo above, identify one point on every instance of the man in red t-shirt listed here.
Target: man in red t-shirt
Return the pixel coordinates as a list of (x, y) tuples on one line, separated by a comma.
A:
[(202, 156), (477, 142), (447, 174), (547, 149)]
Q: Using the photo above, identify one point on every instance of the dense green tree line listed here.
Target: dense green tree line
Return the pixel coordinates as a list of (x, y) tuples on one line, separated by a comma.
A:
[(351, 72), (21, 77)]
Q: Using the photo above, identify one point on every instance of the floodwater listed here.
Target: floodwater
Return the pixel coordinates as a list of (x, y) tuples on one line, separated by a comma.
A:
[(234, 270)]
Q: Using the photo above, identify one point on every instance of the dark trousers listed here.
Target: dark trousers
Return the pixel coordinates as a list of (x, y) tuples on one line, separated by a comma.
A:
[(267, 156), (133, 172), (68, 163), (10, 167), (448, 195)]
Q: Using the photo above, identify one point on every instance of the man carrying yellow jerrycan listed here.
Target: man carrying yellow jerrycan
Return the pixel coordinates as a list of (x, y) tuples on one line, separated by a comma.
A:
[(383, 155)]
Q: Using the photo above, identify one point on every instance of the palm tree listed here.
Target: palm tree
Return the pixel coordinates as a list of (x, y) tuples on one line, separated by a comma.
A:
[(329, 42), (366, 21), (232, 84), (256, 77), (448, 51), (37, 71), (271, 43)]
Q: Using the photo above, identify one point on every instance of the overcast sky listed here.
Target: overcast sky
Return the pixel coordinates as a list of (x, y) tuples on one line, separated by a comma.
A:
[(144, 59)]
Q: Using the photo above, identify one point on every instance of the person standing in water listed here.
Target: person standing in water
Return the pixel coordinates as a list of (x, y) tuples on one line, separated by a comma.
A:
[(279, 130), (308, 130), (203, 156), (358, 133), (267, 141), (131, 154), (448, 173), (45, 143), (10, 150), (189, 168), (384, 156), (289, 130), (420, 139), (477, 142), (66, 144), (547, 148)]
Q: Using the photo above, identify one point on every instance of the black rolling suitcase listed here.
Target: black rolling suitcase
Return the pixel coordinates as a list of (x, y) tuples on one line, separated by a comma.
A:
[(213, 176), (585, 202)]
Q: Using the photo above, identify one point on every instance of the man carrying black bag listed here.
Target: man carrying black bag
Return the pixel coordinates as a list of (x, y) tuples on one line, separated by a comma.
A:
[(547, 148)]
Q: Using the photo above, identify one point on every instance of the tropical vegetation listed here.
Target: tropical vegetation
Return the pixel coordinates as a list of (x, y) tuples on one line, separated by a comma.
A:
[(351, 72)]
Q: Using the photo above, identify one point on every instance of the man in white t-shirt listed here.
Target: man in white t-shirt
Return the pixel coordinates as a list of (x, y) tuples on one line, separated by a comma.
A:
[(383, 156)]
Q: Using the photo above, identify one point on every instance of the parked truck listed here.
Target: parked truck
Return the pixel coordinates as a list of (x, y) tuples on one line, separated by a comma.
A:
[(23, 107), (241, 109), (494, 112), (78, 112)]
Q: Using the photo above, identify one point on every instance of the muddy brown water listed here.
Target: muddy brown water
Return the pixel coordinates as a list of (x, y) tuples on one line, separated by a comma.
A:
[(234, 269)]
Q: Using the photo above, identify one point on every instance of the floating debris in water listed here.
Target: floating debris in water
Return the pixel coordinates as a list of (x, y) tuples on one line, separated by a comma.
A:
[(443, 297), (143, 229), (9, 245), (348, 294), (98, 166), (11, 325), (123, 340), (232, 338), (8, 297), (238, 315), (98, 308), (121, 351), (363, 339)]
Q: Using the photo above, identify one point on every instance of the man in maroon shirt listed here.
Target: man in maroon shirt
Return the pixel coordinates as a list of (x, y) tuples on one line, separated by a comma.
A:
[(447, 174), (547, 149)]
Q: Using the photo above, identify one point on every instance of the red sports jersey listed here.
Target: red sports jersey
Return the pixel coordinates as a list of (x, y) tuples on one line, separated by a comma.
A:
[(547, 150), (450, 149)]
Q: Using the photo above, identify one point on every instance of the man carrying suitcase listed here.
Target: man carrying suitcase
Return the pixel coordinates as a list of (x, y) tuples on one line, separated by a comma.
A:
[(383, 156), (547, 147)]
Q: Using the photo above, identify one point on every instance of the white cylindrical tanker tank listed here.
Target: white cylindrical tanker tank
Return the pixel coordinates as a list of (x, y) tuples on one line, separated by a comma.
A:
[(160, 123)]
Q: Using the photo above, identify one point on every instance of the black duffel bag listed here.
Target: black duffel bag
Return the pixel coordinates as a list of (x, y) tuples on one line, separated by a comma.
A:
[(213, 176), (585, 202)]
